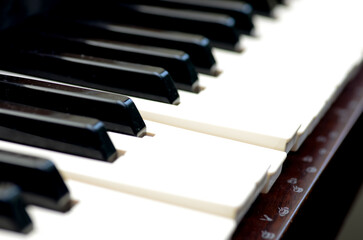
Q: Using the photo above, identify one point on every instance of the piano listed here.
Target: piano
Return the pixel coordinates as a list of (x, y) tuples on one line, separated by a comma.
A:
[(230, 137)]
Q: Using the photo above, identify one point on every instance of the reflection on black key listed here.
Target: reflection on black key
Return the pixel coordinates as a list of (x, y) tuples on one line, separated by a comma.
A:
[(56, 131), (120, 77), (39, 180), (263, 7), (177, 63), (13, 215), (240, 11), (118, 112), (219, 28), (196, 46)]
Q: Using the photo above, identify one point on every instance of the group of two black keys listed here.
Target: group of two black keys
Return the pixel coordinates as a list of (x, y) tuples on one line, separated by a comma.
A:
[(27, 180), (143, 52), (75, 51)]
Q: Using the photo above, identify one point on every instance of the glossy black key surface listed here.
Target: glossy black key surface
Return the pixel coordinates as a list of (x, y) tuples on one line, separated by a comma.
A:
[(39, 180), (219, 28), (56, 131), (118, 112), (177, 63), (196, 46), (263, 7), (115, 76), (15, 11), (240, 11), (13, 215)]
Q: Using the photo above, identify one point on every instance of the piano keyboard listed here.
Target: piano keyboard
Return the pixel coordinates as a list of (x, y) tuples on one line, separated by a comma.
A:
[(203, 162)]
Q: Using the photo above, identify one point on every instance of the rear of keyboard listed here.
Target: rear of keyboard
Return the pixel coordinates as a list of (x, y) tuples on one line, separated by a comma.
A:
[(199, 164)]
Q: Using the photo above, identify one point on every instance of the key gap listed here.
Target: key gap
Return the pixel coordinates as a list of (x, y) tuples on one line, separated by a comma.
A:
[(149, 134), (120, 153)]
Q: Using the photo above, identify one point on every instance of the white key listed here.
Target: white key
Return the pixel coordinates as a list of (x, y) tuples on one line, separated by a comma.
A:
[(299, 62), (274, 158), (106, 214), (185, 168)]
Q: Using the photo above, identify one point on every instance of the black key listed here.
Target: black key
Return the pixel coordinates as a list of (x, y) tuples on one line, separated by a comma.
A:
[(118, 112), (196, 46), (283, 2), (13, 215), (240, 11), (263, 7), (177, 63), (219, 28), (120, 77), (15, 11), (39, 180), (56, 131)]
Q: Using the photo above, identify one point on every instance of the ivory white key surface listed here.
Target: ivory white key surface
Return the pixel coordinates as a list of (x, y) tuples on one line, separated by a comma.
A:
[(298, 62), (224, 118), (180, 167), (106, 214), (193, 142), (274, 158)]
